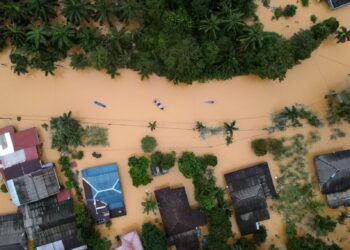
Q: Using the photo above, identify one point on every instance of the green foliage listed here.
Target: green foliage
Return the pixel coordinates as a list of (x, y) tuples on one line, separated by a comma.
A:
[(303, 43), (18, 118), (338, 106), (76, 11), (259, 237), (308, 242), (189, 165), (291, 116), (342, 217), (305, 3), (19, 63), (152, 125), (66, 133), (148, 144), (109, 224), (42, 9), (343, 35), (153, 238), (273, 247), (149, 205), (3, 188), (322, 225), (244, 244), (78, 155), (208, 160), (324, 29), (168, 160), (289, 10), (86, 230), (45, 126), (313, 18), (72, 178), (96, 155), (139, 170), (62, 36), (259, 147), (96, 136), (78, 61), (337, 133), (278, 12)]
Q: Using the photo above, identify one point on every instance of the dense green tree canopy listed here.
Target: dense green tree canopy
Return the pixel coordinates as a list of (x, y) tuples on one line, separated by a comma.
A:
[(153, 238)]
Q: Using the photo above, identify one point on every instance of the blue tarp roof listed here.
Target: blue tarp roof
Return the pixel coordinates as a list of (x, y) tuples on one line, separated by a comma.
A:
[(104, 185)]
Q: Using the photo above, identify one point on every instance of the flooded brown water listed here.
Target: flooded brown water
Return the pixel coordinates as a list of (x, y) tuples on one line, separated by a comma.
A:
[(248, 99)]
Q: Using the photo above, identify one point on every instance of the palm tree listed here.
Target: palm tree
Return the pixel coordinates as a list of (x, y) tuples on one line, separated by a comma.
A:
[(77, 10), (13, 10), (16, 35), (105, 11), (115, 40), (211, 25), (37, 37), (89, 38), (343, 35), (149, 205), (42, 9), (233, 21), (152, 125), (130, 10), (253, 36), (62, 36), (229, 128)]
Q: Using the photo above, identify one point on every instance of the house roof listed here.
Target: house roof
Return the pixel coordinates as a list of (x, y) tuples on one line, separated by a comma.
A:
[(51, 222), (102, 186), (177, 215), (12, 235), (25, 139), (130, 241), (34, 186), (7, 129), (334, 4), (333, 171), (21, 169), (249, 188), (19, 156)]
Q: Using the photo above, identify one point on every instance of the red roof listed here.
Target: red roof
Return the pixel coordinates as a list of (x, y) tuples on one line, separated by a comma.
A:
[(63, 195), (25, 139), (7, 129), (31, 153)]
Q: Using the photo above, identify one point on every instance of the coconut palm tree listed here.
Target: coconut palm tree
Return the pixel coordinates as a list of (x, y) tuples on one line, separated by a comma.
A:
[(343, 35), (16, 35), (253, 36), (89, 38), (77, 10), (229, 128), (116, 40), (129, 10), (211, 26), (42, 9), (105, 11), (37, 37), (152, 125), (149, 205), (14, 11), (233, 21), (62, 36)]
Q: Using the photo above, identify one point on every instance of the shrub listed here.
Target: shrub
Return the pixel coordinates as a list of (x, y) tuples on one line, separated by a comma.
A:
[(149, 205), (259, 147), (322, 225), (324, 29), (260, 236), (96, 136), (168, 160), (153, 238), (275, 147), (308, 242), (338, 106), (313, 18), (304, 44), (148, 144), (139, 170), (78, 155), (278, 13), (3, 188), (109, 224), (189, 165), (289, 10), (305, 3), (96, 155), (208, 160)]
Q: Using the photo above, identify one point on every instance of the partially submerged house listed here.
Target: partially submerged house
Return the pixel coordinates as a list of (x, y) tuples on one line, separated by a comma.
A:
[(50, 223), (12, 234), (130, 241), (335, 4), (179, 219), (333, 172), (103, 192), (249, 188)]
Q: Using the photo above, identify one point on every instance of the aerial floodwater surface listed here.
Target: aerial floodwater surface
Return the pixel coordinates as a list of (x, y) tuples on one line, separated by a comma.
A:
[(248, 99)]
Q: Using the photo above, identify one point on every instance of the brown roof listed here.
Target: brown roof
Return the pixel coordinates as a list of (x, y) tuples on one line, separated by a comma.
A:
[(21, 169), (177, 215)]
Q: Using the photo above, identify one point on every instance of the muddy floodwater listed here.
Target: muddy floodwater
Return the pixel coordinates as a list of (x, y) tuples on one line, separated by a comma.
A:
[(248, 100)]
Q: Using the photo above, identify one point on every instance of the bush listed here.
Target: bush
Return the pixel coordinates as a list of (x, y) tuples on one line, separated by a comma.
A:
[(290, 10), (308, 242), (305, 3), (259, 147), (313, 18), (139, 170), (153, 238), (208, 160), (78, 155), (96, 136), (278, 13), (3, 188), (260, 236), (96, 155), (109, 224), (304, 44), (168, 160), (275, 146), (324, 29), (148, 144), (189, 165), (322, 225)]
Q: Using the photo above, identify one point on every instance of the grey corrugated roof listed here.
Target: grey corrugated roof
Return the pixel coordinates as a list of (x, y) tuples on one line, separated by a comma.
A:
[(333, 171), (11, 232), (338, 199), (36, 186)]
